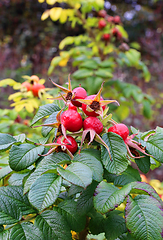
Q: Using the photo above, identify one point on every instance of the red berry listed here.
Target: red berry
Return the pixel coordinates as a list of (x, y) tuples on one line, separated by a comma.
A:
[(110, 19), (120, 129), (71, 106), (101, 23), (102, 13), (35, 79), (106, 36), (93, 123), (117, 19), (92, 113), (116, 33), (36, 88), (80, 93), (71, 120), (26, 85), (71, 147)]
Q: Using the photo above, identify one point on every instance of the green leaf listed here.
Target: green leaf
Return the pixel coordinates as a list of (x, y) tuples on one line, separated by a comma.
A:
[(53, 226), (85, 200), (24, 155), (90, 64), (143, 164), (51, 119), (147, 111), (129, 175), (104, 73), (96, 225), (16, 179), (114, 226), (107, 64), (13, 195), (4, 235), (154, 145), (45, 190), (50, 162), (6, 141), (25, 231), (93, 84), (133, 56), (88, 158), (20, 138), (9, 212), (5, 171), (75, 220), (118, 152), (82, 73), (45, 111), (144, 218), (108, 197), (144, 188), (77, 173)]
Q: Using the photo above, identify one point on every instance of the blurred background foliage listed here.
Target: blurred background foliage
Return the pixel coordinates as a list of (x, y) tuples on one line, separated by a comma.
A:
[(28, 45)]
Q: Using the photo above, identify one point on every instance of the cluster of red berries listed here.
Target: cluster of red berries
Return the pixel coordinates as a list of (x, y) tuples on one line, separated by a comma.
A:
[(33, 85), (86, 116), (104, 20), (83, 117)]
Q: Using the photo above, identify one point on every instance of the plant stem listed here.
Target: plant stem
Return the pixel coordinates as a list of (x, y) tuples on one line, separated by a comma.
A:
[(83, 234)]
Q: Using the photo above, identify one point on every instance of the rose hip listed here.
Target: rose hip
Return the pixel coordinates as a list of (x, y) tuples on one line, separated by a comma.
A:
[(93, 123), (70, 144), (120, 129), (71, 120)]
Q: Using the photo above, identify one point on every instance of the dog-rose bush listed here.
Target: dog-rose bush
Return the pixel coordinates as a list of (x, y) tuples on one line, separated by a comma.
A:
[(69, 184)]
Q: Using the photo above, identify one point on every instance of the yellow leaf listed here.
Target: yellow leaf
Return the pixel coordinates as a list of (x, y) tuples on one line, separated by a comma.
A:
[(18, 108), (55, 13), (66, 41), (45, 15), (63, 16), (77, 5), (70, 12), (7, 81), (51, 2), (17, 86), (41, 1), (15, 95), (41, 81), (29, 107), (34, 102), (49, 98), (63, 62), (26, 77)]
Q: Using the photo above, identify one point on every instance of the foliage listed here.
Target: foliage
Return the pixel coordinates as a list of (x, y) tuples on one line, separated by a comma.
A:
[(99, 52), (54, 194)]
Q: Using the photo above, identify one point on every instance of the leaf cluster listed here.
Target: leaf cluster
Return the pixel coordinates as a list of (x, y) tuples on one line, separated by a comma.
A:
[(50, 197)]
